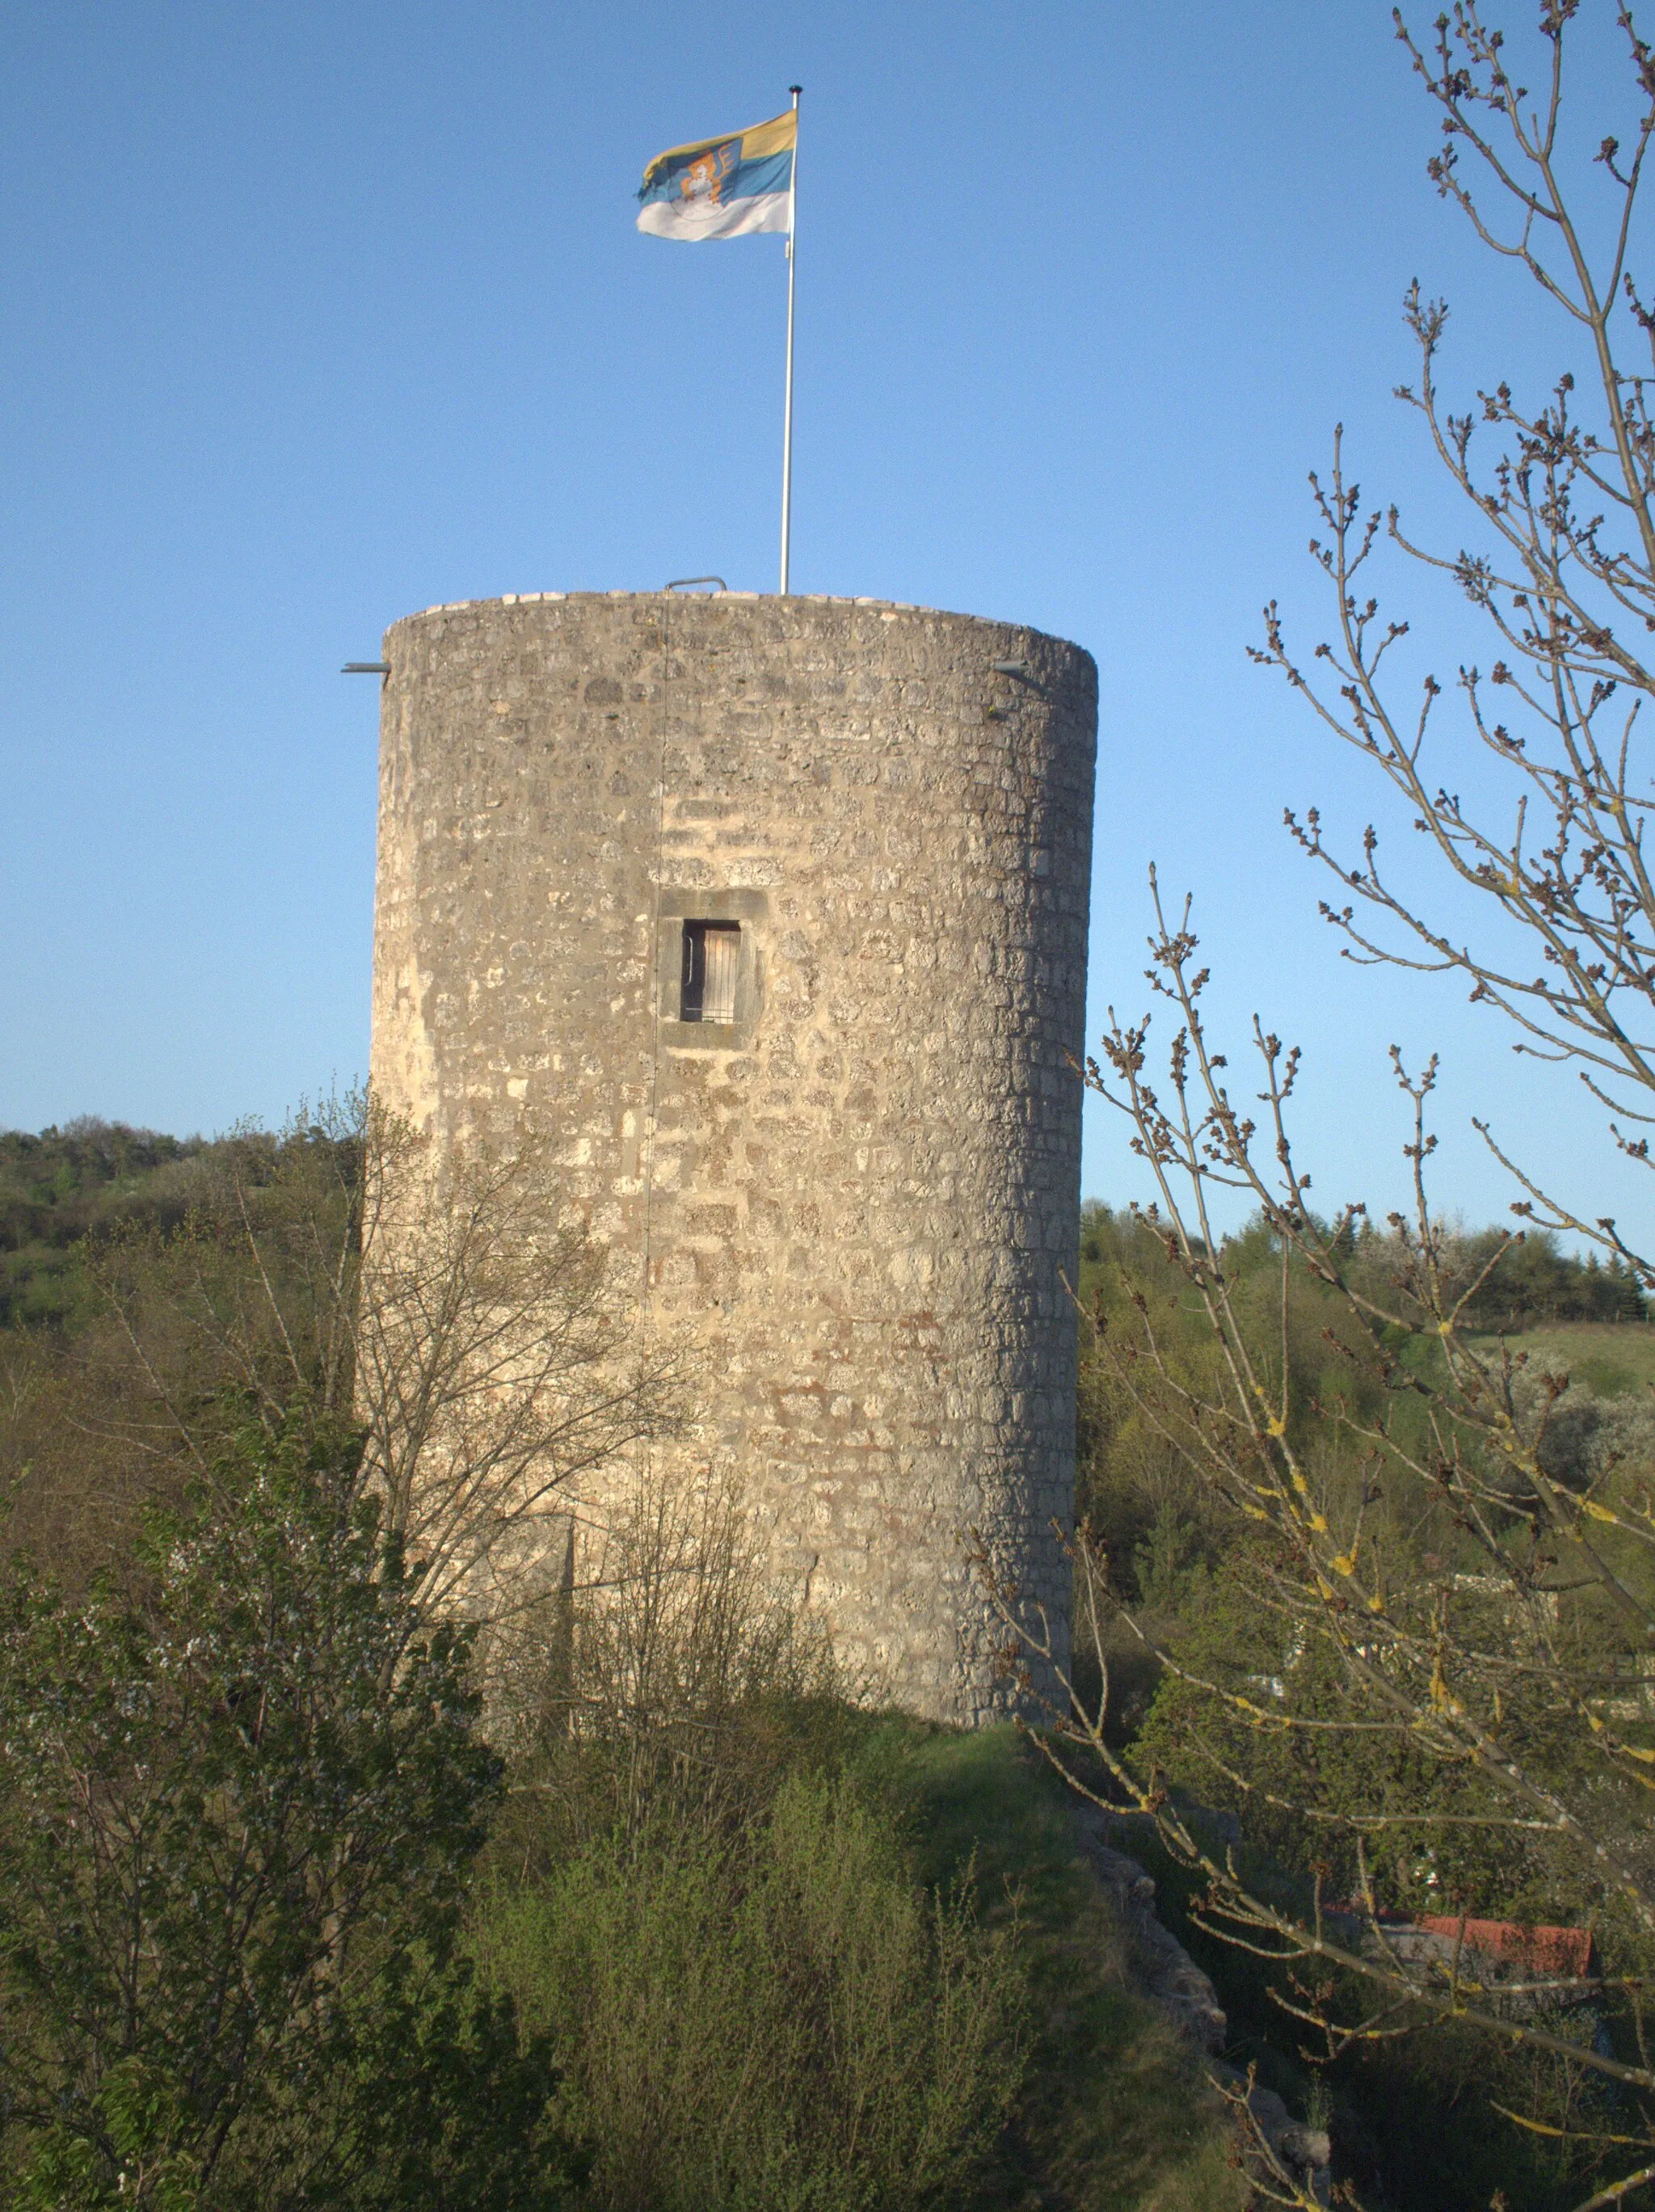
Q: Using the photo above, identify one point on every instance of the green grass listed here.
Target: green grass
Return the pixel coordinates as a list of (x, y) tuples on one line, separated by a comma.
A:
[(1611, 1357), (1116, 2114)]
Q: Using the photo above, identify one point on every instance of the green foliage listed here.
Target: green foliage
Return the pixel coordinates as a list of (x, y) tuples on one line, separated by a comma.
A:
[(140, 1314), (239, 1799), (679, 1687), (1133, 1470), (1606, 1358), (72, 1191), (438, 2100), (242, 1790), (67, 1184), (1534, 1283), (695, 1978), (1138, 1486), (1116, 2110), (781, 2020), (1394, 2104), (1275, 1712), (1255, 1749), (660, 1731), (1265, 1716)]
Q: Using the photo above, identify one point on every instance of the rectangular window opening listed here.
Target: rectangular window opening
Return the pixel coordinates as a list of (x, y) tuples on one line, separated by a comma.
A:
[(708, 992)]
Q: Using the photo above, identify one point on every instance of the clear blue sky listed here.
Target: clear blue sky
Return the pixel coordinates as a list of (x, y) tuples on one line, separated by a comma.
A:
[(317, 314)]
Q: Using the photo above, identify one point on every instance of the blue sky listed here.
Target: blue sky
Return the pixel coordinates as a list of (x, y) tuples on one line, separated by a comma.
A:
[(315, 315)]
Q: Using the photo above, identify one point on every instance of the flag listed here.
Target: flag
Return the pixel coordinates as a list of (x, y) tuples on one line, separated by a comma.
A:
[(722, 187)]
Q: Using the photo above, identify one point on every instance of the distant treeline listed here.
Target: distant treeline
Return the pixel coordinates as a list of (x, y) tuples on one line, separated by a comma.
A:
[(71, 1188), (89, 1176), (1531, 1282), (1534, 1282), (64, 1184)]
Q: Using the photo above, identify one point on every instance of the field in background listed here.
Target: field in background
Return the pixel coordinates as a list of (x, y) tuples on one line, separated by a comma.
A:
[(1611, 1357)]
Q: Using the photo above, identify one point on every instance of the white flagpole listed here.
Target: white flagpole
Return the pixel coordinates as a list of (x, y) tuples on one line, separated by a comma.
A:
[(787, 417)]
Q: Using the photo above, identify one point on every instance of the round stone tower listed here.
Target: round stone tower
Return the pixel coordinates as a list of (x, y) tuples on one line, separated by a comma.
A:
[(774, 911)]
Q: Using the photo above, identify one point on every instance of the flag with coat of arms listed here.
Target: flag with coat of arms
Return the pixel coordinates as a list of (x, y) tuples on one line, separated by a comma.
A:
[(725, 187)]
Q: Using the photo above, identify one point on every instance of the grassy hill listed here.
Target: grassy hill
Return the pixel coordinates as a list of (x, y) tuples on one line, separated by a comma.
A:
[(1614, 1359)]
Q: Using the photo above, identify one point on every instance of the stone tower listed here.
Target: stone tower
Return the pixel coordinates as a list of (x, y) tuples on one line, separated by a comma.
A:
[(775, 911)]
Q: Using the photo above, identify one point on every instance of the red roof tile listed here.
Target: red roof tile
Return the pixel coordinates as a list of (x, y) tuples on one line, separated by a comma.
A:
[(1547, 1951)]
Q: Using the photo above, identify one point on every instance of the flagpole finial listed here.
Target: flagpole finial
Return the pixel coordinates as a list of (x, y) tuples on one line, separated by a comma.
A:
[(796, 89)]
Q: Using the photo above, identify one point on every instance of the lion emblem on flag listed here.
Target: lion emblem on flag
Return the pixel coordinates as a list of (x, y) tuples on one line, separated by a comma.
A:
[(704, 180)]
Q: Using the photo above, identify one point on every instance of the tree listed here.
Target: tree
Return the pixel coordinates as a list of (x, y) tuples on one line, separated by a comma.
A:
[(446, 1307), (237, 1803), (1443, 1641)]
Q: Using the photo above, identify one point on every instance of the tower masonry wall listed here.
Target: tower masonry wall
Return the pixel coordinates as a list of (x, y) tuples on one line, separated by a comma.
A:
[(850, 1205)]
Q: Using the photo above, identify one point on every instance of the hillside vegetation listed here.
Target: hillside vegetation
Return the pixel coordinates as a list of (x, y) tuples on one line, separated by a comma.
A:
[(1209, 1600), (65, 1185), (309, 1897), (670, 1857)]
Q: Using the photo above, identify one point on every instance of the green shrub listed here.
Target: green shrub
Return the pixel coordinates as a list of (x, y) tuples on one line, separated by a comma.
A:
[(239, 1803), (785, 2020)]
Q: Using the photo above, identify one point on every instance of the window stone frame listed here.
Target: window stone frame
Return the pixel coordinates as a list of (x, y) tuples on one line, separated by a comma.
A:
[(678, 905)]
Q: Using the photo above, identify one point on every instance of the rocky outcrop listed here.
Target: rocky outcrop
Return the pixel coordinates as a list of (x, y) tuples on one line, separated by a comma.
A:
[(1170, 1975), (1305, 2151), (1171, 1979)]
